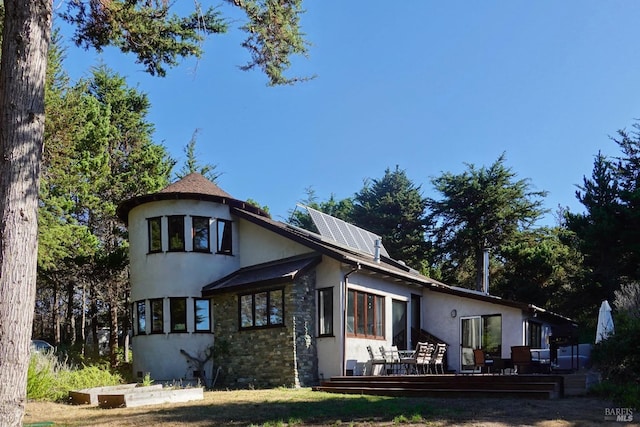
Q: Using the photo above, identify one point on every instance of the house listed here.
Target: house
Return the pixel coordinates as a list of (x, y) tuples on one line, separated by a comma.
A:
[(279, 305)]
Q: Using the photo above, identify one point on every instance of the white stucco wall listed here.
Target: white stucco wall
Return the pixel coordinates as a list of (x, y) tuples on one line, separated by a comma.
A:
[(157, 275), (438, 321), (258, 245), (174, 274), (330, 349)]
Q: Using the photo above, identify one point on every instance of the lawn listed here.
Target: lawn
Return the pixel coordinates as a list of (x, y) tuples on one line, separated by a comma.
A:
[(303, 407)]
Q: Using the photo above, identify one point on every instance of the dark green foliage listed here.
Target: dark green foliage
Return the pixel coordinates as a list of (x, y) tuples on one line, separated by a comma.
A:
[(480, 208), (147, 29), (537, 268), (608, 233), (618, 359), (273, 36), (192, 165), (159, 38), (598, 232), (393, 207)]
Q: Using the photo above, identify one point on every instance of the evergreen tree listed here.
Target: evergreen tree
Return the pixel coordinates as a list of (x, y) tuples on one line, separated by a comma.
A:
[(599, 234), (191, 163), (393, 208), (340, 209), (537, 267), (480, 209)]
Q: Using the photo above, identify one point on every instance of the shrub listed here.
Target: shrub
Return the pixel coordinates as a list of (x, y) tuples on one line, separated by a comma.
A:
[(618, 359), (51, 379)]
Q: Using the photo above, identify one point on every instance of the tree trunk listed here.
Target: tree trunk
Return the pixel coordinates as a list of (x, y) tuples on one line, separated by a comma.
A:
[(71, 320), (83, 322), (55, 314), (113, 331), (25, 41)]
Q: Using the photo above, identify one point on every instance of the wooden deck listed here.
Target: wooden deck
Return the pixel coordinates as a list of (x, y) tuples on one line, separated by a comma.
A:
[(449, 385)]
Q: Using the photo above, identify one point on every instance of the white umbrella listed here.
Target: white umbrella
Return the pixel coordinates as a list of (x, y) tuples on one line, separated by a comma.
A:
[(605, 322)]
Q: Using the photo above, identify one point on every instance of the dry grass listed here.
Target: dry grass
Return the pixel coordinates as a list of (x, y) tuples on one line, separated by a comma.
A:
[(302, 407)]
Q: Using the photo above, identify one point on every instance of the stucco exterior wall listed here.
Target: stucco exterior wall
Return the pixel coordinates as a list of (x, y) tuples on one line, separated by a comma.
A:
[(159, 355), (173, 274), (258, 245), (157, 275), (356, 348), (438, 320)]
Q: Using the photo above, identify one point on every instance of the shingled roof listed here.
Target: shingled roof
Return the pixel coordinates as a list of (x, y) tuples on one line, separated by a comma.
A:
[(194, 183), (192, 187)]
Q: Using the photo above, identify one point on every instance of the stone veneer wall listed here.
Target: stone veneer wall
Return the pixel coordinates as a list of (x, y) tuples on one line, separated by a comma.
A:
[(269, 357)]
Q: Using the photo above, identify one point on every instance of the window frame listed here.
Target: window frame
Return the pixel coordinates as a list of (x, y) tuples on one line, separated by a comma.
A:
[(325, 312), (152, 304), (534, 334), (141, 329), (173, 318), (150, 234), (195, 316), (194, 232), (224, 236), (357, 302), (180, 230), (269, 304)]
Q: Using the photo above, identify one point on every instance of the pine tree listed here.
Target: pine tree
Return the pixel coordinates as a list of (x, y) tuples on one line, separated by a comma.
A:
[(393, 208), (479, 209)]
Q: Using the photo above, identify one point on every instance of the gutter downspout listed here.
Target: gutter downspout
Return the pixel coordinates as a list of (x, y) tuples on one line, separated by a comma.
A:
[(344, 317)]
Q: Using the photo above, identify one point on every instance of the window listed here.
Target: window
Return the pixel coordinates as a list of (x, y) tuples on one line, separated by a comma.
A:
[(155, 234), (492, 335), (200, 234), (202, 316), (534, 337), (141, 317), (262, 309), (325, 311), (365, 314), (178, 313), (157, 318), (176, 232), (224, 237)]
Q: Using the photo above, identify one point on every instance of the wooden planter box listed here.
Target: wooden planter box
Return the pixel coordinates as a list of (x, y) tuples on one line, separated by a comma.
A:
[(89, 396), (142, 396)]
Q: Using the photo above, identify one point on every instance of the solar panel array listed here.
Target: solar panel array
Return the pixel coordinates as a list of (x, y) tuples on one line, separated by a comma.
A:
[(344, 233)]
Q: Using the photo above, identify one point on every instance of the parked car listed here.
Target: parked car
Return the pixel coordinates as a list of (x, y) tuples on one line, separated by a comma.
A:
[(41, 346)]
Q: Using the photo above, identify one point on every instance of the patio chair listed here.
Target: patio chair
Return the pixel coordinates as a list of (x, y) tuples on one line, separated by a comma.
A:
[(392, 356), (420, 363), (521, 359), (480, 361), (376, 360), (438, 357)]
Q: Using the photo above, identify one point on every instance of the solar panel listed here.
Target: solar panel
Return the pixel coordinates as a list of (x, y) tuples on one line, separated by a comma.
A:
[(344, 233)]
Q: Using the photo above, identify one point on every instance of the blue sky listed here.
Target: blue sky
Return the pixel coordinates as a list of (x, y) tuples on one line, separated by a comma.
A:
[(428, 86)]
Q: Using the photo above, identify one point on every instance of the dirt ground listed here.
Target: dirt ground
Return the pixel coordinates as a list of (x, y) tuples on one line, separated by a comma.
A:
[(259, 408)]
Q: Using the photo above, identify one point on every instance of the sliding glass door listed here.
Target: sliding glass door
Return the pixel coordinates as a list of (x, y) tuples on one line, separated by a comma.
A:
[(483, 332)]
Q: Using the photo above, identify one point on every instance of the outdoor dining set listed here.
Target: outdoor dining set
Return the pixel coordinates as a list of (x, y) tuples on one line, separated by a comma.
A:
[(427, 358)]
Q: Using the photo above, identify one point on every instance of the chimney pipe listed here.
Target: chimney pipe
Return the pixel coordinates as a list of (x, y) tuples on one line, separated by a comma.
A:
[(376, 251), (485, 270)]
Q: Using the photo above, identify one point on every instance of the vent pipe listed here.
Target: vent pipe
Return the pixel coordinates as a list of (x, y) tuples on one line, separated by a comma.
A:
[(485, 270), (376, 250)]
